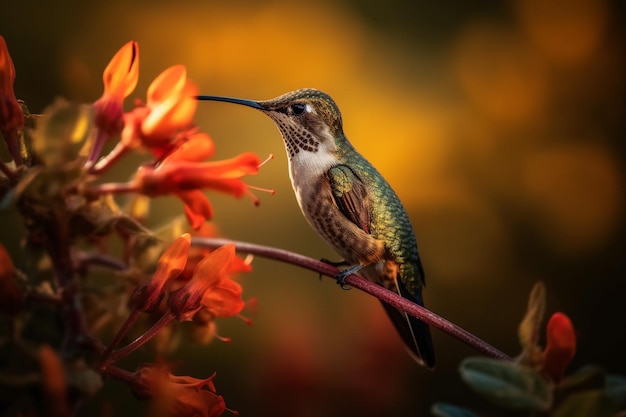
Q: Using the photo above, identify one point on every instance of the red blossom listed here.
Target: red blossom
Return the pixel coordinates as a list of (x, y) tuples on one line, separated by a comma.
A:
[(120, 79), (560, 346), (180, 396), (210, 288), (198, 253), (191, 146), (169, 109), (171, 263)]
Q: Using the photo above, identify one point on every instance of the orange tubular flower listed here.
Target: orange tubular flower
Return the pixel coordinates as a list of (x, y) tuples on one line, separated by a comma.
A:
[(177, 395), (560, 347), (120, 79), (171, 263), (210, 288), (170, 108), (186, 178)]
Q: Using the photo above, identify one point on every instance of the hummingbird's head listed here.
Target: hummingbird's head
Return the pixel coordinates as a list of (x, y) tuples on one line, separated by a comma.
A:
[(308, 119)]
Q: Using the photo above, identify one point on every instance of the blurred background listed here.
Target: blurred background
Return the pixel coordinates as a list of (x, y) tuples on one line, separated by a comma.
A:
[(499, 124)]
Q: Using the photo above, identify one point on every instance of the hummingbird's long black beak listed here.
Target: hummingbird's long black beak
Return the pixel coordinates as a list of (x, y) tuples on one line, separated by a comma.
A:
[(243, 102)]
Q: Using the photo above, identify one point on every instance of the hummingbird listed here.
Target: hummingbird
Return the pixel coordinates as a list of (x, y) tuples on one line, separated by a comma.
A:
[(349, 204)]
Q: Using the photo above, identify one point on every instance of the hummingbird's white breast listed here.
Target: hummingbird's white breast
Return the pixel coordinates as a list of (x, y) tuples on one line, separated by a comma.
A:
[(306, 168)]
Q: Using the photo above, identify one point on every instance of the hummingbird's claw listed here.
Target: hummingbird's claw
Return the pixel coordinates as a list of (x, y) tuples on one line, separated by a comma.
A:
[(341, 279), (341, 276)]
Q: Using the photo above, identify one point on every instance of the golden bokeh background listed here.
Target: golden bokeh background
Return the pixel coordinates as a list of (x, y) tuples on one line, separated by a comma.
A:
[(500, 126)]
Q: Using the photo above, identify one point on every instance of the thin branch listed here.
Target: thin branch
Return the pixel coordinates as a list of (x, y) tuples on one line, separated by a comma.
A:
[(356, 281)]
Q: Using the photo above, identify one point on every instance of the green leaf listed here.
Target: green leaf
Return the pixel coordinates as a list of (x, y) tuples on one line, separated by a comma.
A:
[(586, 404), (585, 379), (449, 410), (506, 384)]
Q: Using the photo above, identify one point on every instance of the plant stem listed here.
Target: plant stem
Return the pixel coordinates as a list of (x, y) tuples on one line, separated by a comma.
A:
[(99, 167), (166, 319), (130, 320), (119, 374), (356, 281), (58, 247)]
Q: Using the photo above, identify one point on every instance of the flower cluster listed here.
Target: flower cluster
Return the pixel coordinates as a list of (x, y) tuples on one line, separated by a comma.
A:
[(55, 179), (163, 126), (201, 283)]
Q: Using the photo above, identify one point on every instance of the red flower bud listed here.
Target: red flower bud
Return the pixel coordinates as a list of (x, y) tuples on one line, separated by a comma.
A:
[(560, 346)]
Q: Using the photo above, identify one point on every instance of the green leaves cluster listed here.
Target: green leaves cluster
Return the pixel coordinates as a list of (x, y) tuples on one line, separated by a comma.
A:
[(520, 388), (521, 391)]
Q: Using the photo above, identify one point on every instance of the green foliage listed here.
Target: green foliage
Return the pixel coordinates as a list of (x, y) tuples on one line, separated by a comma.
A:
[(525, 387), (507, 384)]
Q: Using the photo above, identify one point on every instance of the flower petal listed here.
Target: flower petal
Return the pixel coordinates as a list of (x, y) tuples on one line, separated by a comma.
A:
[(122, 73), (171, 263), (225, 299), (194, 147), (198, 209), (171, 102), (186, 301)]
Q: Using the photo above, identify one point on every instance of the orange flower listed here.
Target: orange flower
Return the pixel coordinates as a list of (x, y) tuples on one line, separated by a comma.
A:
[(560, 346), (11, 115), (171, 263), (120, 79), (192, 146), (177, 395), (169, 108), (186, 178), (210, 288), (198, 253)]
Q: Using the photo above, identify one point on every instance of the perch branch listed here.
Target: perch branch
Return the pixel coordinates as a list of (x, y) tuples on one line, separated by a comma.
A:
[(356, 281)]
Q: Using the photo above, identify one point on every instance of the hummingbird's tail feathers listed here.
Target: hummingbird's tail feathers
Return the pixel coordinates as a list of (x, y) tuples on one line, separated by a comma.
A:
[(414, 332)]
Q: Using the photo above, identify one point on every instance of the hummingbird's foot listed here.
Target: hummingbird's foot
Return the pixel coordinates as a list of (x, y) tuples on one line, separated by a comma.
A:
[(341, 277)]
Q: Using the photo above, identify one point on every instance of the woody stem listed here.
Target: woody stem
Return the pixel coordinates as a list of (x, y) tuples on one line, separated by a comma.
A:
[(356, 281)]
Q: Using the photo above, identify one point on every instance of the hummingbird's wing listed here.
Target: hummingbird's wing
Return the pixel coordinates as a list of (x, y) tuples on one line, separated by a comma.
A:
[(351, 196), (353, 201)]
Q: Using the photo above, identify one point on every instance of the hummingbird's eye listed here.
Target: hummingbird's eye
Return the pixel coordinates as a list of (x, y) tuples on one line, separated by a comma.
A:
[(298, 108)]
